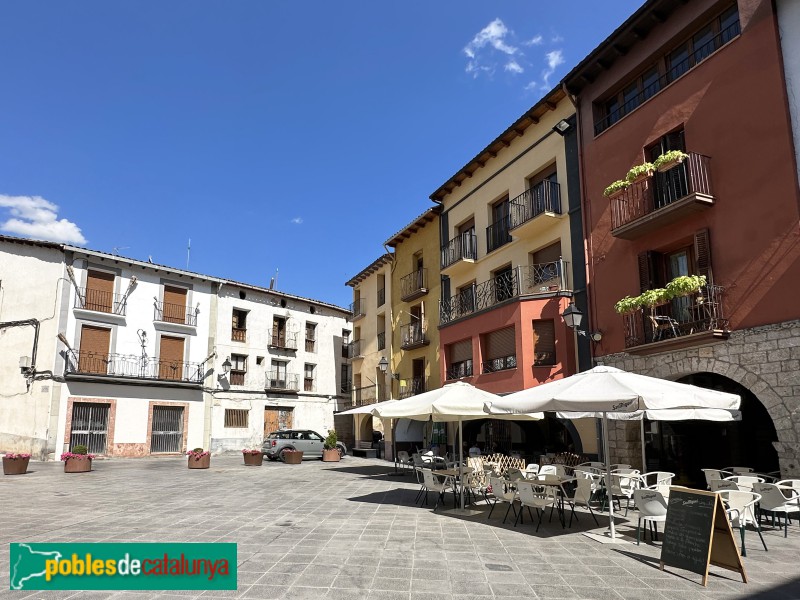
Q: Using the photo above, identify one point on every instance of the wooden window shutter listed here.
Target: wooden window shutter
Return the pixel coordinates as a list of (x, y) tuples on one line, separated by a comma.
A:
[(646, 271), (702, 254), (99, 291), (170, 358), (461, 351), (500, 344), (93, 355), (544, 342), (174, 305)]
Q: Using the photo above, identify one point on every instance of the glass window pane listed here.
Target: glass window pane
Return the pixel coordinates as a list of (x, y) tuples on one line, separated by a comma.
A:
[(678, 62), (651, 83), (703, 44)]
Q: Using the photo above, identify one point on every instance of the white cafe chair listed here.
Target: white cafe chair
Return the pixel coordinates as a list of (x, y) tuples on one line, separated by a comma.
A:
[(652, 509)]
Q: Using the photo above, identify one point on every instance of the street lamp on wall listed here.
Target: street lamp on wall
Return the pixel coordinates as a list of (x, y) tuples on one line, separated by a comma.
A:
[(226, 366), (573, 317), (562, 127), (383, 365)]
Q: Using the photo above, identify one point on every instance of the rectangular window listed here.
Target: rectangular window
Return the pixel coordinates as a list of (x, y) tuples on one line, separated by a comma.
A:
[(345, 343), (170, 358), (460, 360), (308, 378), (174, 307), (278, 336), (93, 356), (238, 369), (278, 375), (239, 325), (544, 343), (345, 383), (311, 337), (99, 294), (500, 350), (236, 418)]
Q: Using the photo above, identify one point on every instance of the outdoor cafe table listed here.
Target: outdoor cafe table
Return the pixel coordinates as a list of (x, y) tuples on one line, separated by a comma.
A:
[(453, 474)]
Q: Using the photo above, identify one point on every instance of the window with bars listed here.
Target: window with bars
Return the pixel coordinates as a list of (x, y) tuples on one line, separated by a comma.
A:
[(236, 418), (460, 360), (544, 343), (311, 337), (308, 377), (238, 369)]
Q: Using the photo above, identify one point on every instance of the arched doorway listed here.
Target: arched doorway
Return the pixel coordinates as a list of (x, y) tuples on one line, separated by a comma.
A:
[(686, 447), (530, 439)]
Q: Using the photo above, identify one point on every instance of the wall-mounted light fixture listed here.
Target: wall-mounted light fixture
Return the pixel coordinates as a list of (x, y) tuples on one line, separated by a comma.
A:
[(562, 127), (383, 365), (226, 366), (573, 318)]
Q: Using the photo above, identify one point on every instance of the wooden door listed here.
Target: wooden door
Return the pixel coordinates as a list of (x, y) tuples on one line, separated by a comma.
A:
[(170, 358), (277, 418), (174, 305), (99, 291), (93, 355)]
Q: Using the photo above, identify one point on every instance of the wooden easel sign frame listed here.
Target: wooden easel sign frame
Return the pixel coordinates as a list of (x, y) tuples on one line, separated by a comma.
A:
[(697, 533)]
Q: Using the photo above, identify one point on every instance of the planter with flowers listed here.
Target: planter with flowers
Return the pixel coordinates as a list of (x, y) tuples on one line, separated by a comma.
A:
[(669, 160), (640, 173), (291, 456), (15, 463), (616, 189), (331, 452), (253, 457), (628, 305), (78, 460), (657, 297), (199, 459), (686, 285)]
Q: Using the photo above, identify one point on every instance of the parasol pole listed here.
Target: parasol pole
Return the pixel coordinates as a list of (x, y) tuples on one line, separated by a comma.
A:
[(610, 498), (461, 458), (644, 454)]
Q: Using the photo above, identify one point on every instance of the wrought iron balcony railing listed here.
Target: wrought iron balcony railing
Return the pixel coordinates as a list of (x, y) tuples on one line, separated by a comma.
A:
[(414, 285), (309, 384), (696, 313), (381, 296), (459, 370), (132, 366), (497, 234), (412, 387), (358, 309), (281, 381), (283, 340), (662, 190), (544, 197), (101, 301), (354, 349), (382, 340), (548, 277), (238, 334), (414, 334), (481, 296), (462, 247), (175, 313)]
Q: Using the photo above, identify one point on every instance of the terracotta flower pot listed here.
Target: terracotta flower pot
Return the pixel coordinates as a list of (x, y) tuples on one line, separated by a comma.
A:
[(292, 458), (204, 462), (15, 466), (77, 465), (253, 460), (331, 456)]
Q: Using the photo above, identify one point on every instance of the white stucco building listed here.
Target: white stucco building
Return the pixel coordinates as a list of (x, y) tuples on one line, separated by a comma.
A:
[(789, 27)]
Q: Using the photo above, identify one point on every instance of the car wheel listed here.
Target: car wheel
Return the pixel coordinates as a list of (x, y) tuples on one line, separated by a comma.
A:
[(282, 455), (342, 452)]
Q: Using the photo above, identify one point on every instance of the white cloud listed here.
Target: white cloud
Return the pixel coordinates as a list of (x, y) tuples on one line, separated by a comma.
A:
[(297, 220), (513, 67), (554, 59), (531, 86), (490, 39), (534, 41), (35, 217)]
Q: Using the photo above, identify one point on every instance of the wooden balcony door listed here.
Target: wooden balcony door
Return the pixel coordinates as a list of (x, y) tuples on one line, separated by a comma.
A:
[(93, 355), (174, 305), (170, 358), (99, 291), (277, 418)]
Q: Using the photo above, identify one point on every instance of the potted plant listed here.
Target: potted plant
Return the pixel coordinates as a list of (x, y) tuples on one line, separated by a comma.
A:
[(627, 305), (291, 456), (15, 463), (616, 189), (640, 172), (331, 452), (199, 459), (685, 285), (252, 457), (78, 460), (655, 297), (669, 159)]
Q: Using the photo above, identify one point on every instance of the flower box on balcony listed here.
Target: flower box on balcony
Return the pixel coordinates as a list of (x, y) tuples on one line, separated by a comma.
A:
[(669, 160), (640, 173), (616, 189)]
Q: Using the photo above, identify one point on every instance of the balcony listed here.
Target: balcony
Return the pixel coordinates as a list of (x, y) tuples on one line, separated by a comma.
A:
[(542, 199), (497, 234), (279, 381), (175, 313), (309, 385), (412, 387), (238, 334), (365, 396), (132, 367), (460, 252), (414, 285), (546, 278), (101, 301), (459, 370), (382, 296), (663, 199), (354, 349), (414, 335), (282, 340), (382, 340), (681, 323), (358, 309)]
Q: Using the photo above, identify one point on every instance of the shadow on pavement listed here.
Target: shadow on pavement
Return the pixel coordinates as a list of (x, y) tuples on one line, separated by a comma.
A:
[(378, 473)]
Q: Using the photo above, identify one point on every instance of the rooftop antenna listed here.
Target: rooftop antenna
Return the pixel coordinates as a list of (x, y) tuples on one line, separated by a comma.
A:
[(188, 253), (273, 280), (118, 248)]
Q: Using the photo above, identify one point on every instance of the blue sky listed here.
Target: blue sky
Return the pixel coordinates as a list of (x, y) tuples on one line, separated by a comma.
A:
[(291, 136)]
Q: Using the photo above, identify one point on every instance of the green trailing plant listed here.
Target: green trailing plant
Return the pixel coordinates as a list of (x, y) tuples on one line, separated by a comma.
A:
[(645, 169), (670, 157), (330, 441), (685, 285), (615, 187), (652, 298), (627, 305)]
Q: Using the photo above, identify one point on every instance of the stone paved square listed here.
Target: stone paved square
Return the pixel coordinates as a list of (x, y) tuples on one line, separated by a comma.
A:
[(352, 531)]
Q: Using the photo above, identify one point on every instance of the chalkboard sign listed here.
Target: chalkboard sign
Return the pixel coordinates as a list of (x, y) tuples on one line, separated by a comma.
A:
[(697, 533)]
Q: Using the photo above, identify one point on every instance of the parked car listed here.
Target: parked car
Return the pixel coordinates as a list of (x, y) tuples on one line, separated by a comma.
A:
[(309, 442)]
